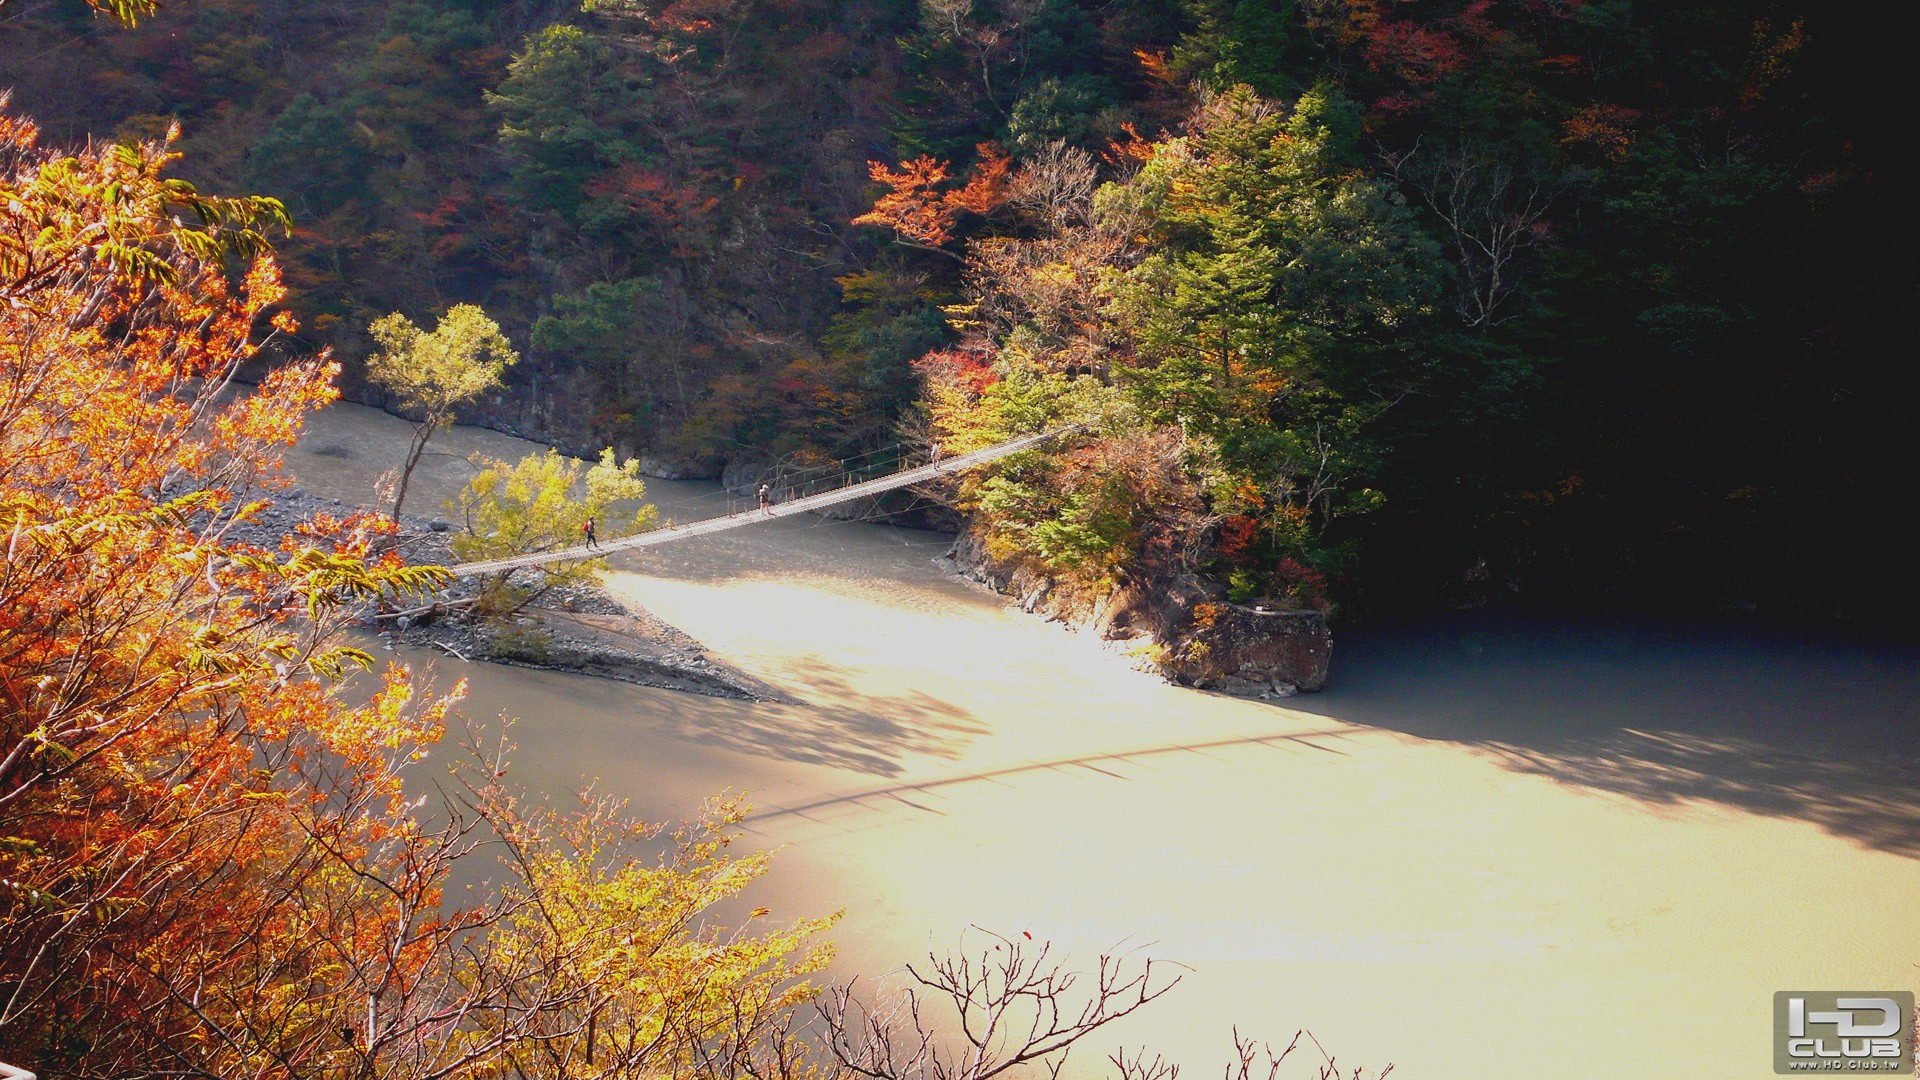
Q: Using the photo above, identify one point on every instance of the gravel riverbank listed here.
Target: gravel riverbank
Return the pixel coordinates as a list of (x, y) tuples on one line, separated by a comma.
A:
[(583, 629)]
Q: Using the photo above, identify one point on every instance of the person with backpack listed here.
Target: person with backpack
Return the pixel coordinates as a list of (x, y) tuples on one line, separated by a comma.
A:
[(766, 499), (586, 528)]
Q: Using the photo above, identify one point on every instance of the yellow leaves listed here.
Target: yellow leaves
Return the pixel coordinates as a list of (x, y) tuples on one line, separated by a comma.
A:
[(541, 503), (325, 580), (133, 262), (461, 358), (392, 730), (1055, 274), (635, 935), (332, 663)]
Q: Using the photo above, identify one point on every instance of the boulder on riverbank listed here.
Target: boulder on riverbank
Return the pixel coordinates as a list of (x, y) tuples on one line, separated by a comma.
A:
[(1184, 626)]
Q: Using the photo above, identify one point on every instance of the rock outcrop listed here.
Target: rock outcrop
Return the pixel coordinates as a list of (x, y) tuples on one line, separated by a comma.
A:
[(1251, 649), (1184, 624)]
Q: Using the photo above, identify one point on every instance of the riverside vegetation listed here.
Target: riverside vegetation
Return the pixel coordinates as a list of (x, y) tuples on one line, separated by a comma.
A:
[(1382, 304)]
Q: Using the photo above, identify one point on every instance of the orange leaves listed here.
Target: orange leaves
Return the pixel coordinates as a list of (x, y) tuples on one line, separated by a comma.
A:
[(1238, 533), (695, 17), (919, 210), (1156, 67), (17, 133), (986, 187), (1606, 128), (1133, 151), (158, 697), (914, 207), (94, 241), (207, 857)]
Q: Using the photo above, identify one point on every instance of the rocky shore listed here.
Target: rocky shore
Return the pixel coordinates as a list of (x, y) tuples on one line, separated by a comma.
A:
[(583, 629), (1183, 628)]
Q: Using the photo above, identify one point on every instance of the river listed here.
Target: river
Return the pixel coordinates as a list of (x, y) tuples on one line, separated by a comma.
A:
[(1491, 848)]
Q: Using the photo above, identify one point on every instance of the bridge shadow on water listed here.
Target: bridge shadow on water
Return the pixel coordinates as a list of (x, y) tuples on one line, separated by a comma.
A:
[(1769, 721)]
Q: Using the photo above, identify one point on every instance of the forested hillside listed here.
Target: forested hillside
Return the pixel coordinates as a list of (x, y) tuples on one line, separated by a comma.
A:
[(1381, 302)]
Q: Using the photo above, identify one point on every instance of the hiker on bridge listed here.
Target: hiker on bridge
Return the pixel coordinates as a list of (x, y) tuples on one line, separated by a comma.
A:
[(586, 528), (766, 498)]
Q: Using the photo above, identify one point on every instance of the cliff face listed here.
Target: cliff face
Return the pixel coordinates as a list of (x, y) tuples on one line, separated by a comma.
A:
[(1194, 635)]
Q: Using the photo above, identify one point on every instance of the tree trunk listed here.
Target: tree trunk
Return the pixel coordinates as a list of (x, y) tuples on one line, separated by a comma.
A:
[(421, 433)]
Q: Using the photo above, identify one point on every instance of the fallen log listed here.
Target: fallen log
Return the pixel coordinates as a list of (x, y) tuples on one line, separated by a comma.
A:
[(437, 608)]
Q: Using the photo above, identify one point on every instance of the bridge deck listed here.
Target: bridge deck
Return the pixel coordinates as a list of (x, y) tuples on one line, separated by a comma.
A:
[(944, 467)]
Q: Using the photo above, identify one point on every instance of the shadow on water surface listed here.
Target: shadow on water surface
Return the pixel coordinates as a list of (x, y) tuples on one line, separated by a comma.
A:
[(834, 724), (841, 726), (1769, 721)]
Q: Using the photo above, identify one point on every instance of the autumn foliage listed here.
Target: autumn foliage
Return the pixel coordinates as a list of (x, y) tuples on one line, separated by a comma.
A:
[(209, 863), (916, 205)]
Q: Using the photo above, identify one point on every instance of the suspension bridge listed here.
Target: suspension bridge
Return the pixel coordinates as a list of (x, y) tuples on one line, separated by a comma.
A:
[(805, 504)]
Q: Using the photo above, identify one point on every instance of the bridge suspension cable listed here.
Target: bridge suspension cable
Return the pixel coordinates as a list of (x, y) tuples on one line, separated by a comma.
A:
[(807, 504)]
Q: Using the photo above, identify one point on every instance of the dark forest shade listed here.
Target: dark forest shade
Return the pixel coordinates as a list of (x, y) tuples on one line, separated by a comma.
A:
[(1659, 351)]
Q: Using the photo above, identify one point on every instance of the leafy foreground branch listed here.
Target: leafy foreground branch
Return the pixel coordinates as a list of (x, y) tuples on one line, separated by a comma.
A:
[(210, 864)]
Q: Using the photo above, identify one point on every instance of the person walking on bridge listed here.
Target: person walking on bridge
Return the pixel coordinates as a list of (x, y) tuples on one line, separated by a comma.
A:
[(586, 528), (766, 499)]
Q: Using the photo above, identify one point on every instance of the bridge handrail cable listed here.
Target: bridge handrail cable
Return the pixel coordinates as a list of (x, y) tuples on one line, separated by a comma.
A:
[(704, 526)]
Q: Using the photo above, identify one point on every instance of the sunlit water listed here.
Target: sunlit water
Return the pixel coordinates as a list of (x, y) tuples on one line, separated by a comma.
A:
[(1489, 849)]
